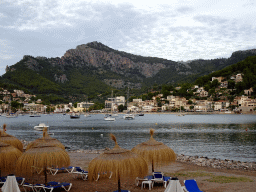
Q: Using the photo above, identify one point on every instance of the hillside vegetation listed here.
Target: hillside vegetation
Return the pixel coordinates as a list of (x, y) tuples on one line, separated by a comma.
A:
[(93, 70)]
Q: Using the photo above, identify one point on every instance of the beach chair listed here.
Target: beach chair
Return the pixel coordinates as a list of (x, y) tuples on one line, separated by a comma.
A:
[(122, 191), (191, 186), (54, 171), (80, 172), (166, 179), (56, 185), (2, 180), (34, 187), (158, 177), (20, 180)]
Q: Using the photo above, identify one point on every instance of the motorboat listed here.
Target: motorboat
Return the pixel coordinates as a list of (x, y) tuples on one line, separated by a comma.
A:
[(40, 127), (75, 116), (129, 116), (34, 114), (109, 118), (11, 115)]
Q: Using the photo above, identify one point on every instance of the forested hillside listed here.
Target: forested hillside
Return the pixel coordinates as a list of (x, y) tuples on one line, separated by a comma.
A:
[(93, 70)]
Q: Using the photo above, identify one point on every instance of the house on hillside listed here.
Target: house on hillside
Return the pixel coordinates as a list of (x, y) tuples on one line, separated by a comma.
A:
[(218, 78)]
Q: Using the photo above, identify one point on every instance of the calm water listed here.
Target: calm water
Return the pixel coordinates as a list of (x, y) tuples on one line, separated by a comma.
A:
[(215, 136)]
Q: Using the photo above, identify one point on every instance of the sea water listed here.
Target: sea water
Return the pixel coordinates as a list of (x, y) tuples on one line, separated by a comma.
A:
[(215, 136)]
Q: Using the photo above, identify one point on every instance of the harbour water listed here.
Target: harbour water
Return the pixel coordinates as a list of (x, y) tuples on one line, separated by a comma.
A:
[(230, 137)]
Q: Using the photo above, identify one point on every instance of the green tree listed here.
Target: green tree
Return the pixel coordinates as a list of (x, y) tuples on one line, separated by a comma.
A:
[(231, 84), (120, 108)]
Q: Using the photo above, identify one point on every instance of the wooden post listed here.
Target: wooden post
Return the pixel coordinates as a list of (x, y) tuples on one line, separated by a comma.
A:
[(119, 184), (153, 166)]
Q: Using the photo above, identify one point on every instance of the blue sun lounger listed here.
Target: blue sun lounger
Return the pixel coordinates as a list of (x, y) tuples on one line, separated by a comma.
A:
[(191, 186)]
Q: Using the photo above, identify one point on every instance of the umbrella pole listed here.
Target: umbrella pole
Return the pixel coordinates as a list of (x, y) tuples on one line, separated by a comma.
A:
[(153, 166), (119, 183), (45, 176)]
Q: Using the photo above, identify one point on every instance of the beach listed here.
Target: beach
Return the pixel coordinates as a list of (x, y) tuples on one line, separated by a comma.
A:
[(182, 170)]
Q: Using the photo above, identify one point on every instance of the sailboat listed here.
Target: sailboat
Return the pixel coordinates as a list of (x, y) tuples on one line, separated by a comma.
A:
[(109, 117), (180, 114)]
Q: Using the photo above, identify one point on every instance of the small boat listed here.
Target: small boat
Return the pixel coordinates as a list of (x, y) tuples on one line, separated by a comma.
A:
[(129, 117), (34, 114), (12, 115), (141, 114), (87, 115), (109, 117), (75, 116), (40, 127), (115, 115)]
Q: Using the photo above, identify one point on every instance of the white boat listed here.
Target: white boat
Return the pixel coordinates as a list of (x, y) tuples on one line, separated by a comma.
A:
[(11, 115), (115, 115), (40, 127), (34, 114), (109, 118), (87, 115), (129, 116), (75, 116)]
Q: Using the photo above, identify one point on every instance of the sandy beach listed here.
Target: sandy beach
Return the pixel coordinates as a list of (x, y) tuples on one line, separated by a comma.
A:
[(203, 175)]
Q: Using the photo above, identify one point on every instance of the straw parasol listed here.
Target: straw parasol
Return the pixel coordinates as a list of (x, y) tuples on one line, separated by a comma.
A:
[(8, 157), (46, 138), (41, 157), (119, 162), (11, 140), (155, 152)]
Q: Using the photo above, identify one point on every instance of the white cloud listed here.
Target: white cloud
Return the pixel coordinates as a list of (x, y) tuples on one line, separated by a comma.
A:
[(175, 30)]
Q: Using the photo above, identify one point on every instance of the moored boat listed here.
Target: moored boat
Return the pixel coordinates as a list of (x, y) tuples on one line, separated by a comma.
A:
[(40, 127), (75, 116), (129, 117)]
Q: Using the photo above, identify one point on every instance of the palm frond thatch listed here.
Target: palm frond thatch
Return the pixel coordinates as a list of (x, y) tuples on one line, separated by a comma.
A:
[(11, 140), (8, 157), (155, 152), (45, 139), (41, 156), (118, 161)]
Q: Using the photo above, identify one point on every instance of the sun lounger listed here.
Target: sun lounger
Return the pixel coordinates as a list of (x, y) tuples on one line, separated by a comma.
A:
[(158, 177), (54, 171), (80, 172), (191, 186), (29, 186), (56, 185), (20, 180), (50, 186), (122, 191), (2, 180)]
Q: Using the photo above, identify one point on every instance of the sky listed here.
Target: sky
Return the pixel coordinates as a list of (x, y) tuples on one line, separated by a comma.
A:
[(177, 30)]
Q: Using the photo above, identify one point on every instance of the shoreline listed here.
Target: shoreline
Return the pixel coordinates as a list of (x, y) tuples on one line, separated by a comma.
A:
[(196, 160)]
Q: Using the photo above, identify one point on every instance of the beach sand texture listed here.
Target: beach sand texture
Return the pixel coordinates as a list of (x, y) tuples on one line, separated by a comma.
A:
[(181, 170)]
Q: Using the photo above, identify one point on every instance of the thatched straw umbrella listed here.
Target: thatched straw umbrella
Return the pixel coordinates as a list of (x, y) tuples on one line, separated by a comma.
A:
[(46, 138), (11, 140), (8, 157), (155, 152), (119, 162), (41, 157)]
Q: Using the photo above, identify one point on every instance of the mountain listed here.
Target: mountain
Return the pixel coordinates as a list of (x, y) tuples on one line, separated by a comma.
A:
[(93, 69)]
